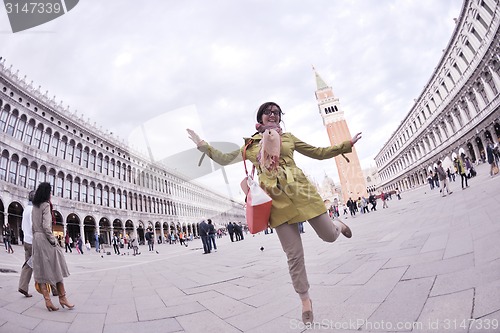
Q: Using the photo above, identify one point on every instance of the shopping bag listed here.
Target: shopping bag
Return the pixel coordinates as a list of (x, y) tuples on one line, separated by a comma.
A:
[(258, 208)]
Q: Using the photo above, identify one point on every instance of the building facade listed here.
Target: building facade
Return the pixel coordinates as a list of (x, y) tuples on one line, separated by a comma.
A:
[(458, 110), (99, 185), (352, 180)]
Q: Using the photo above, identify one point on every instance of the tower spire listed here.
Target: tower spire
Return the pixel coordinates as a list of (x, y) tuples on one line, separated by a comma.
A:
[(320, 83)]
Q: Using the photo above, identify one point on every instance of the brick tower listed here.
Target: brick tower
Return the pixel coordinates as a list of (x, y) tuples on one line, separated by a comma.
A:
[(351, 176)]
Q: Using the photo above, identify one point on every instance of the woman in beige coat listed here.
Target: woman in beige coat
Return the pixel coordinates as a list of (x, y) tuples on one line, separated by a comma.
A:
[(295, 199), (49, 265)]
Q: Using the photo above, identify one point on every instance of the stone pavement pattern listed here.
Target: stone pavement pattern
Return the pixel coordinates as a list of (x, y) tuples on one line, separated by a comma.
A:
[(427, 264)]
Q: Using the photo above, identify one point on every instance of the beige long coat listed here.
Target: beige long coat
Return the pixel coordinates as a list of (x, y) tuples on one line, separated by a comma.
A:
[(295, 199), (49, 265)]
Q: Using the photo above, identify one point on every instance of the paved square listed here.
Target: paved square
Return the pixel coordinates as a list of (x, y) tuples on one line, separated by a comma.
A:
[(425, 264)]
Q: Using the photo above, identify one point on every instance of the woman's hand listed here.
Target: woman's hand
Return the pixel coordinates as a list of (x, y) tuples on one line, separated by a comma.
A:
[(356, 138), (193, 136)]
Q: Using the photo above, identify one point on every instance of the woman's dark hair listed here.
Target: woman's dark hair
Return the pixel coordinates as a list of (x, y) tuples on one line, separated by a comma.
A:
[(264, 107), (42, 194)]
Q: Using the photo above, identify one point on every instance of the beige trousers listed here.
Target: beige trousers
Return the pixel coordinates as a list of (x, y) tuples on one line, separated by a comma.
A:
[(26, 270), (291, 243)]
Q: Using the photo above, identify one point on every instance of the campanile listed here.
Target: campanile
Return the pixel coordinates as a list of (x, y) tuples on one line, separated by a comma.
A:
[(352, 181)]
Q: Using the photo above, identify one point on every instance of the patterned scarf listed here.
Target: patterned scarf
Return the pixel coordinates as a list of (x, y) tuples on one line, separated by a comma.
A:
[(270, 146)]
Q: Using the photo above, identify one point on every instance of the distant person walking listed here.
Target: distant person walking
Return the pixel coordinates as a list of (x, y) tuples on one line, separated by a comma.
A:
[(230, 230), (491, 159), (67, 242), (459, 165), (211, 235), (443, 177), (204, 228), (26, 225)]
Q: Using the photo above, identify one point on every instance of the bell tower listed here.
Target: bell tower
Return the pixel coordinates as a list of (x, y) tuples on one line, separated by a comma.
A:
[(352, 181)]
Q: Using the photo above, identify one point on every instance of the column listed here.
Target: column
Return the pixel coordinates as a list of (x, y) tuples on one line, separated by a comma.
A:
[(480, 100), (487, 89), (463, 115), (448, 126), (455, 121), (82, 232), (427, 149), (162, 234), (496, 78), (443, 133), (472, 109)]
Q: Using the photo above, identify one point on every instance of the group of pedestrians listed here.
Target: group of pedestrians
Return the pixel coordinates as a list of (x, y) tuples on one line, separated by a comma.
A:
[(207, 235), (235, 231)]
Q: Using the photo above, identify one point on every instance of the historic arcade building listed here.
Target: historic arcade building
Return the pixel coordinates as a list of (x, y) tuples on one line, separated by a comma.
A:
[(99, 184), (458, 110)]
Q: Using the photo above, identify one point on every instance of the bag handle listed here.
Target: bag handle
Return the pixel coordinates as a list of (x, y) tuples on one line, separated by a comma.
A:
[(245, 158)]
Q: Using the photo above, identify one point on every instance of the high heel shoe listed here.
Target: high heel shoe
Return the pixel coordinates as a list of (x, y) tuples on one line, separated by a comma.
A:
[(307, 316), (62, 296), (344, 229)]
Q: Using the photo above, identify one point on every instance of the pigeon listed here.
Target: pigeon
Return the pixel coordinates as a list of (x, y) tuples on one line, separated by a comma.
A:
[(262, 248), (157, 252)]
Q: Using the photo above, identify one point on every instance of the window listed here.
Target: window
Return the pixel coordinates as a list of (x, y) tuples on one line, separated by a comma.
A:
[(85, 158), (20, 128), (78, 154), (99, 163), (112, 168), (51, 179), (45, 141), (38, 136), (83, 197), (42, 174), (70, 151), (13, 169), (98, 195), (119, 199), (124, 201), (106, 165), (29, 133), (112, 202), (91, 193), (92, 161), (3, 119), (54, 144), (118, 170), (23, 173), (4, 159), (11, 124), (76, 189), (67, 187), (59, 185), (32, 176), (62, 147), (105, 195)]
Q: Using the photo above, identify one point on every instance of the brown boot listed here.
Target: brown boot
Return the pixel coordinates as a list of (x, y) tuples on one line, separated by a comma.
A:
[(62, 296), (54, 290), (46, 297)]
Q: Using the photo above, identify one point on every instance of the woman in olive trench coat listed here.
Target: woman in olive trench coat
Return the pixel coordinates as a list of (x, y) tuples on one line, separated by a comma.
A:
[(295, 199), (49, 265)]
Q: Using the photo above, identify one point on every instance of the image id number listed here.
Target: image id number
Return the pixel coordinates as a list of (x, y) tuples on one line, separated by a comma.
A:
[(33, 8)]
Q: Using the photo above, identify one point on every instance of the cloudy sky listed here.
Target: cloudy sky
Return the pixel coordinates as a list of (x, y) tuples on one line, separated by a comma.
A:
[(165, 65)]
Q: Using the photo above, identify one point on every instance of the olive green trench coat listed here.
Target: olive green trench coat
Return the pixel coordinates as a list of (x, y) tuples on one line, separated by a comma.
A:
[(295, 199)]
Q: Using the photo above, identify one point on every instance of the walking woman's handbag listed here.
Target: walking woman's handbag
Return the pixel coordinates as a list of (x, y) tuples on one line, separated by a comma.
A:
[(258, 202)]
